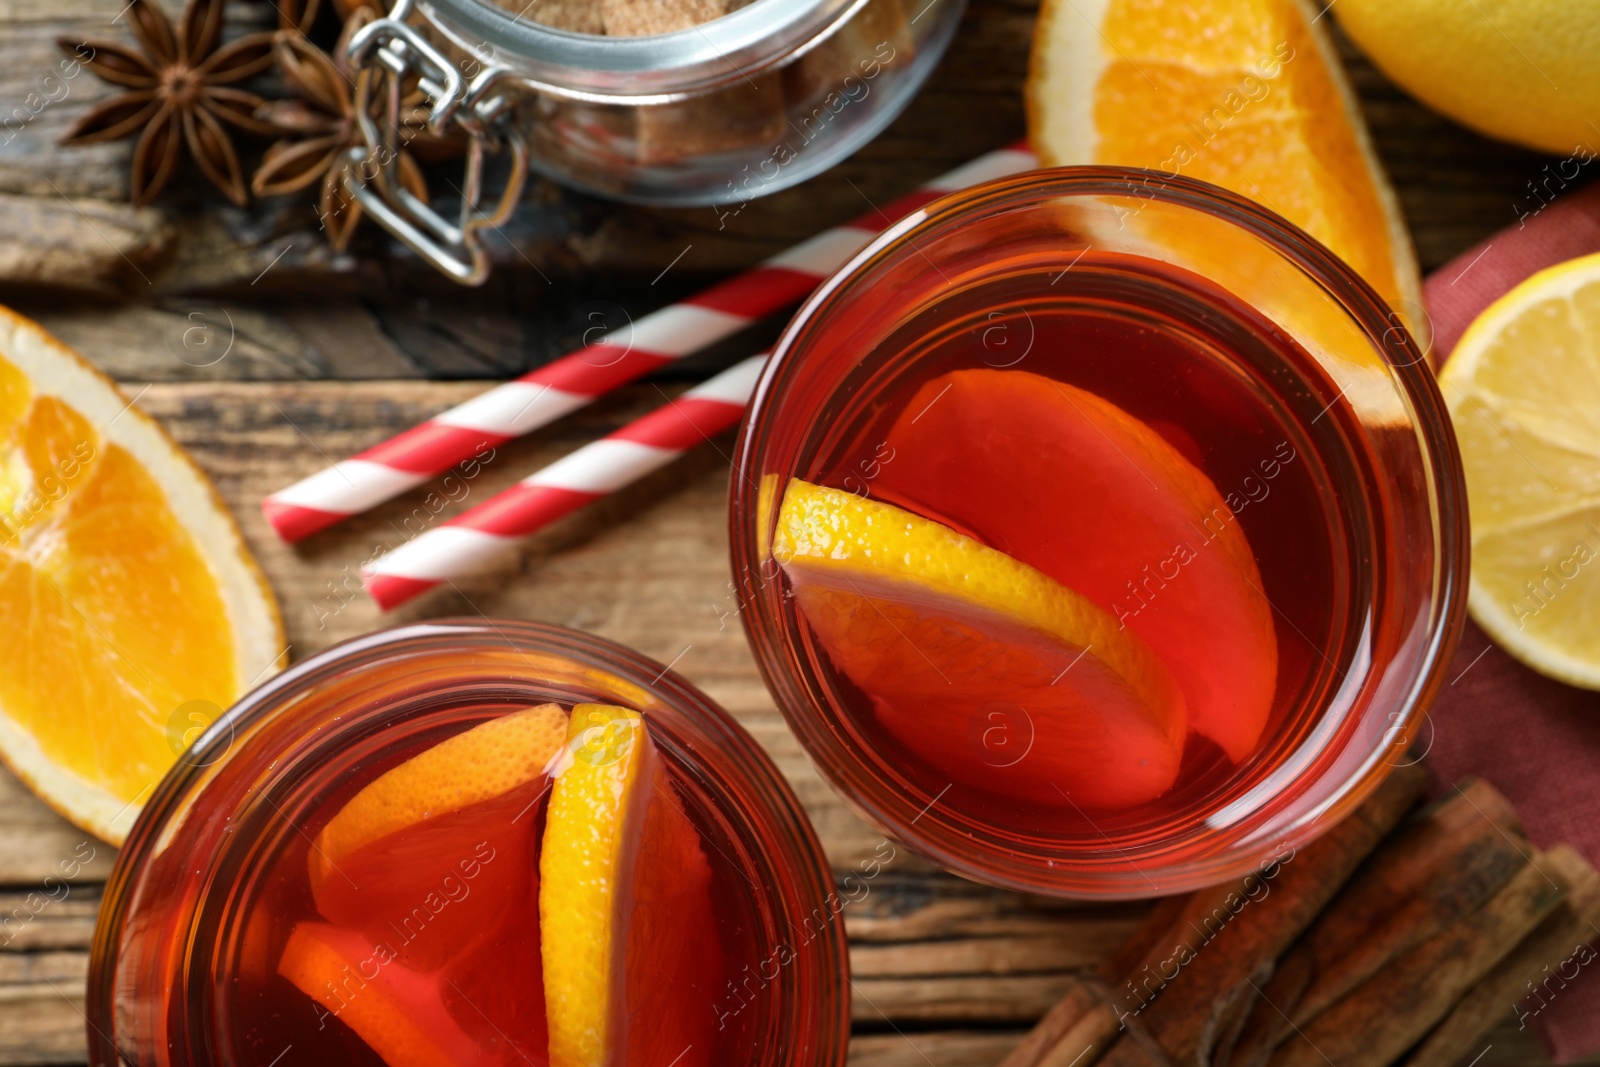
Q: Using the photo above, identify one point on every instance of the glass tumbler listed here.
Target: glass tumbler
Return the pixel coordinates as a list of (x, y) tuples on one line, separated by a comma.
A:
[(1228, 323)]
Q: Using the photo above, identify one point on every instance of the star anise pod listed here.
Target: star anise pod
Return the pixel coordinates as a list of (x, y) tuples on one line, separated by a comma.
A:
[(180, 91), (323, 128)]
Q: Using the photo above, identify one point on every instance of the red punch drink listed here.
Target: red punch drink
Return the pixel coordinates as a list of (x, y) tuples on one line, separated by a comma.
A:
[(1099, 541), (411, 917), (476, 845)]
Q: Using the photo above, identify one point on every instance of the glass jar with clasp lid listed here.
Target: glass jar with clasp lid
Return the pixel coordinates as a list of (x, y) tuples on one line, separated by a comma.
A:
[(715, 113)]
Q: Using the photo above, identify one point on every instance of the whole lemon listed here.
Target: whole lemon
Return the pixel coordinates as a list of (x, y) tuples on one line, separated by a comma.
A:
[(1526, 71)]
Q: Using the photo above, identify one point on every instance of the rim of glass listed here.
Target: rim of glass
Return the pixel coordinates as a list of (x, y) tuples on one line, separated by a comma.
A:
[(1409, 369), (736, 748)]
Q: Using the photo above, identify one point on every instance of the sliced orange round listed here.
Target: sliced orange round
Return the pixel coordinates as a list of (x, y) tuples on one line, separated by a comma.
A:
[(139, 613), (1246, 95), (935, 627), (627, 930)]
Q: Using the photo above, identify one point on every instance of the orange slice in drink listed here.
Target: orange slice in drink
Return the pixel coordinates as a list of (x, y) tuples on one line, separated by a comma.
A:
[(403, 856), (475, 765), (938, 629), (138, 613), (1246, 94), (627, 929), (431, 870), (1101, 503), (398, 1012)]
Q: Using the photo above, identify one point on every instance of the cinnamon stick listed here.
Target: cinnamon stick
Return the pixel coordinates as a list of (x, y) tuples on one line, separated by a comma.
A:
[(1184, 1019), (1403, 872), (1051, 1033), (1389, 1012), (1479, 871), (1431, 874), (1180, 992), (1244, 1032), (1087, 1018), (1541, 965), (1265, 1021)]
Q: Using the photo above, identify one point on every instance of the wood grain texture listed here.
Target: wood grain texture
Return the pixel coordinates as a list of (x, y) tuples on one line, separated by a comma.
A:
[(37, 844), (1503, 1046), (42, 1023)]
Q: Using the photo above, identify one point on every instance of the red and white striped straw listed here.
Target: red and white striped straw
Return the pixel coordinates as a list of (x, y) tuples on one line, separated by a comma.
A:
[(482, 534), (542, 396)]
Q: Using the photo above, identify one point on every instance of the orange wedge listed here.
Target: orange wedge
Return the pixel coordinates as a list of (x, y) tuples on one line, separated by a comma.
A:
[(478, 765), (398, 1012), (1100, 502), (138, 613), (435, 862), (626, 926), (1245, 94), (935, 627)]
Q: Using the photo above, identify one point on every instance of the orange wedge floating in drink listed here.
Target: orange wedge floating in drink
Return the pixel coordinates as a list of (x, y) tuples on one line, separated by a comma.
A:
[(457, 820), (429, 877), (936, 627), (475, 765), (400, 1013), (627, 931), (1102, 504)]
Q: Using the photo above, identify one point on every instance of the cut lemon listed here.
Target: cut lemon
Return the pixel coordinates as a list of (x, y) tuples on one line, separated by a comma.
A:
[(1523, 389), (1245, 94), (137, 611), (935, 627), (625, 913), (1523, 71)]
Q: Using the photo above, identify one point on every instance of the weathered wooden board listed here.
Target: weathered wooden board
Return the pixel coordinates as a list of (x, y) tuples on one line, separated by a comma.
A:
[(49, 1030)]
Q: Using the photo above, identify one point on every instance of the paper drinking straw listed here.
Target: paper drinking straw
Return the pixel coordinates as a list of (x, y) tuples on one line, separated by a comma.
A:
[(481, 534), (542, 396)]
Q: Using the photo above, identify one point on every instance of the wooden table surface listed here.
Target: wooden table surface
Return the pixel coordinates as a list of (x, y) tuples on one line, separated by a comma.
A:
[(267, 358)]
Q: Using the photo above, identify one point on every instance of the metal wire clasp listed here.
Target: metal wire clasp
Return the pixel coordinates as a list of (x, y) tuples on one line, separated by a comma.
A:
[(385, 53)]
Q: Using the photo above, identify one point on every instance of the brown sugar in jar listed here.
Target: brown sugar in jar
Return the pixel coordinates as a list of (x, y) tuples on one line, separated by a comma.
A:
[(630, 18)]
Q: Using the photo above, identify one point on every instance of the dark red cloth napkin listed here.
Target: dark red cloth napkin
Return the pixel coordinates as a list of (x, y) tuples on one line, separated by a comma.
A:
[(1535, 739)]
